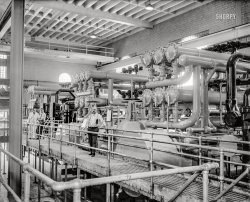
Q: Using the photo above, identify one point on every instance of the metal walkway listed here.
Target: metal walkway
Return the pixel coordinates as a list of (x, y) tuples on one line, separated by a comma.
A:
[(164, 187)]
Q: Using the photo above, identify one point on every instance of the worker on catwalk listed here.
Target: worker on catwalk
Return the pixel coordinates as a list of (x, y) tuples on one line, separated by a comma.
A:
[(94, 122), (33, 121), (41, 120)]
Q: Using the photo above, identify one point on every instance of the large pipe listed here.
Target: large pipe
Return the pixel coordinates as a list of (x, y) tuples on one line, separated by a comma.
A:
[(231, 101), (196, 108), (115, 76), (186, 96), (168, 82), (186, 60), (174, 51)]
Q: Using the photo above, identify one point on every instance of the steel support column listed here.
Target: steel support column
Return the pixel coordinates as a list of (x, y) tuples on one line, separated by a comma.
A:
[(16, 89)]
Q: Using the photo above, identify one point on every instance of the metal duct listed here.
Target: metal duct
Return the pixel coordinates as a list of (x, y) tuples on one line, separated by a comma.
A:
[(196, 108), (183, 95), (168, 82), (186, 60)]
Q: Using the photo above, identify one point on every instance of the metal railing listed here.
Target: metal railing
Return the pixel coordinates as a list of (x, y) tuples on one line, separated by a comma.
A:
[(77, 184), (85, 49), (201, 154)]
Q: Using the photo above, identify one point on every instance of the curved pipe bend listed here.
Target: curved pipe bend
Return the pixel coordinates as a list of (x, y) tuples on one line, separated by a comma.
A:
[(196, 108), (231, 101), (168, 82)]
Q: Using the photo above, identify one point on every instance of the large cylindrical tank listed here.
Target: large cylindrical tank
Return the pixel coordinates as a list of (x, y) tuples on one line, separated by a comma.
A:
[(122, 147)]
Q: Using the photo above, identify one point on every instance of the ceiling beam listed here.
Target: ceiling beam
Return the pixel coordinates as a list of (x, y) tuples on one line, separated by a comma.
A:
[(93, 13)]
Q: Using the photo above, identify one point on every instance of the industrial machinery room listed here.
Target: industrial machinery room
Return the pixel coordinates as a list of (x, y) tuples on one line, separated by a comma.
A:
[(125, 100)]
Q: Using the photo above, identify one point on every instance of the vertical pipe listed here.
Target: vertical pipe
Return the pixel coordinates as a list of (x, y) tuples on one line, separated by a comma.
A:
[(108, 192), (221, 177), (110, 91), (205, 185), (16, 92), (56, 169), (35, 163), (132, 89), (200, 151), (78, 172), (65, 180), (112, 192), (28, 154), (76, 195), (151, 162), (27, 187), (61, 143), (205, 101), (108, 173), (40, 167), (85, 188)]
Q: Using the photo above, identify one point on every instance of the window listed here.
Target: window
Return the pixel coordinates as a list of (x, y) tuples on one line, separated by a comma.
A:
[(64, 77), (3, 72), (3, 56)]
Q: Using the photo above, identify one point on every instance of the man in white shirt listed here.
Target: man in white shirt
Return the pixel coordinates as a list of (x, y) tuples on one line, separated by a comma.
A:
[(95, 121), (33, 120), (41, 119)]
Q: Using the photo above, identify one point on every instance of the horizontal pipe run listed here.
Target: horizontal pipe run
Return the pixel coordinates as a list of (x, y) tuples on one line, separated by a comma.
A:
[(115, 76), (168, 82), (184, 95), (174, 51), (77, 183), (186, 60)]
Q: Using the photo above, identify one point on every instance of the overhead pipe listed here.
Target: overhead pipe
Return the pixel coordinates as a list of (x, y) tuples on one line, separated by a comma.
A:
[(220, 65), (115, 76), (175, 81), (174, 51), (196, 108), (184, 95)]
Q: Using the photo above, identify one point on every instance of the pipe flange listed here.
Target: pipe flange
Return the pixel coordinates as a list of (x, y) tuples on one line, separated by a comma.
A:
[(158, 96), (171, 52), (159, 55), (171, 95), (147, 97), (147, 59)]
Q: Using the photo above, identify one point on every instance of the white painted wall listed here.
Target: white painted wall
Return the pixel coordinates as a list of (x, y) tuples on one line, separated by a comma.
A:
[(49, 70)]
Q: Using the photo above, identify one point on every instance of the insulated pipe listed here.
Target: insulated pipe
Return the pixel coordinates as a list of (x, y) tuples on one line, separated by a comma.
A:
[(196, 108), (186, 60), (186, 96), (231, 80), (168, 82), (115, 76), (44, 92), (174, 51)]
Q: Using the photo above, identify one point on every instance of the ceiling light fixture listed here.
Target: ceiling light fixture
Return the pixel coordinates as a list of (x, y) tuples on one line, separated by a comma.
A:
[(149, 6), (93, 36)]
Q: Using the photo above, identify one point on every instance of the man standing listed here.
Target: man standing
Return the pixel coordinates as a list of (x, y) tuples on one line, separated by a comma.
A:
[(42, 119), (94, 122)]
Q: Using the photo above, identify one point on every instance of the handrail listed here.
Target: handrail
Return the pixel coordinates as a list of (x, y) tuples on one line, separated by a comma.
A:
[(221, 179), (77, 184), (9, 189)]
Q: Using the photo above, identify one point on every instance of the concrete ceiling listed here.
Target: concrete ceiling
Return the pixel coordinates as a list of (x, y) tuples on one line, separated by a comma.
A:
[(75, 21)]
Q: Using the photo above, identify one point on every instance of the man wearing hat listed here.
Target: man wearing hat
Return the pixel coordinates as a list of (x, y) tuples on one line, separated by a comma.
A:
[(94, 122)]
